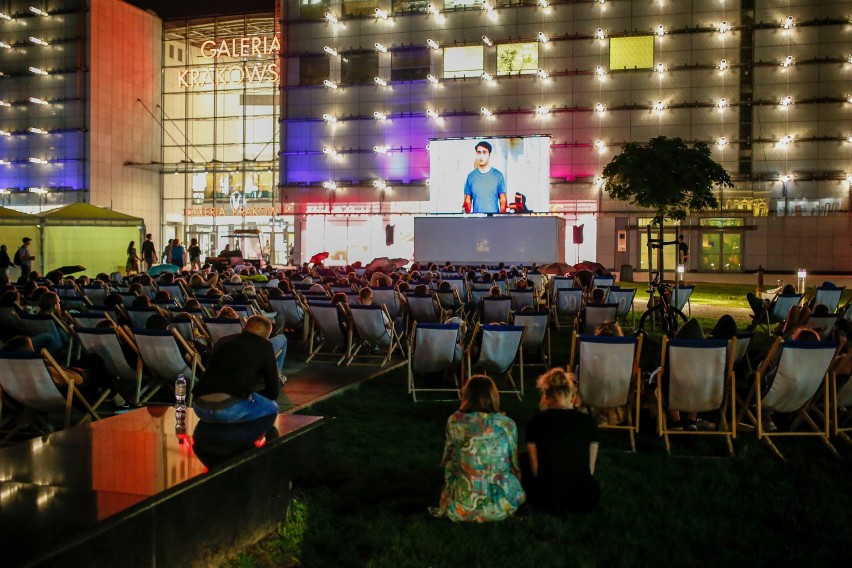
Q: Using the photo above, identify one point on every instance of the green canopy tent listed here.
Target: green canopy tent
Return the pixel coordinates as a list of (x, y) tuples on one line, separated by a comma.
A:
[(91, 236), (14, 226)]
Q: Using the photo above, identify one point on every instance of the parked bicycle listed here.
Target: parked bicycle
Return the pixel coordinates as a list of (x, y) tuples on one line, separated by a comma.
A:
[(661, 312)]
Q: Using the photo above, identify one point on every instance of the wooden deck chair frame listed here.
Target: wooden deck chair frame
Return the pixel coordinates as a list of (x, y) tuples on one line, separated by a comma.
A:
[(808, 395), (364, 337), (459, 285), (840, 399), (488, 366), (534, 340), (433, 338), (568, 303), (37, 394), (623, 298), (390, 298), (724, 392), (616, 380), (323, 329), (191, 361), (450, 300), (417, 310)]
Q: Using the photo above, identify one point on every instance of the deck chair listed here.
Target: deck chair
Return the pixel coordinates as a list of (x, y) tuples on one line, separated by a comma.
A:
[(609, 376), (743, 343), (67, 291), (90, 319), (210, 306), (161, 358), (559, 283), (127, 298), (841, 399), (106, 343), (289, 314), (389, 298), (499, 348), (232, 288), (424, 309), (344, 289), (38, 324), (537, 281), (779, 309), (600, 281), (458, 284), (681, 298), (217, 328), (10, 321), (536, 336), (245, 311), (25, 378), (480, 290), (96, 294), (823, 325), (175, 293), (802, 377), (830, 297), (449, 300), (373, 329), (597, 314), (522, 299), (623, 298), (326, 337), (435, 348), (502, 285), (701, 379), (139, 316), (568, 304), (496, 310)]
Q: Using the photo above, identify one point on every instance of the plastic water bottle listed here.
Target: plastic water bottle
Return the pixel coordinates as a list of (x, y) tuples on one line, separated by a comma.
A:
[(180, 394)]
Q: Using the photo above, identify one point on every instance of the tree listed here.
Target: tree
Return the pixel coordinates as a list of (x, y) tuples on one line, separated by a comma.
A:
[(666, 176)]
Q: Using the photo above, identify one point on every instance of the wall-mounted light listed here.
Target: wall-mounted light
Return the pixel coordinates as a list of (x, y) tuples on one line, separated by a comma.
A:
[(38, 11), (329, 151), (724, 27), (659, 106), (722, 103), (38, 101), (38, 71), (432, 79), (432, 44), (788, 61), (723, 64), (329, 84), (787, 23), (6, 104), (329, 185), (381, 149), (38, 41), (380, 115), (786, 101), (486, 112), (329, 117), (600, 145), (542, 110), (600, 33), (721, 142), (5, 45), (35, 130), (543, 3), (785, 178), (436, 13), (380, 82), (487, 41), (598, 181), (5, 16), (785, 140), (381, 14), (660, 68), (542, 74), (542, 37), (330, 50), (432, 114), (380, 47), (40, 161), (5, 133), (37, 190), (487, 77), (660, 30), (600, 71), (380, 184), (331, 18), (600, 107)]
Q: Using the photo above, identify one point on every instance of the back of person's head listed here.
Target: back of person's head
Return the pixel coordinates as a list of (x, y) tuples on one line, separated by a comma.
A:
[(445, 287), (10, 298), (213, 293), (725, 328), (609, 329), (19, 344), (113, 300), (48, 302), (157, 322), (166, 278), (421, 290), (690, 330), (486, 277), (339, 298), (227, 312), (192, 304), (598, 295), (141, 302), (479, 394), (258, 325), (275, 292), (820, 310), (180, 317), (136, 289), (805, 334), (196, 281), (366, 296), (788, 289), (556, 383), (522, 284), (162, 296), (403, 287), (494, 292)]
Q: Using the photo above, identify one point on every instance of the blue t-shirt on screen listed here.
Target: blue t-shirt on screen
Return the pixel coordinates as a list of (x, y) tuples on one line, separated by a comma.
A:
[(485, 190)]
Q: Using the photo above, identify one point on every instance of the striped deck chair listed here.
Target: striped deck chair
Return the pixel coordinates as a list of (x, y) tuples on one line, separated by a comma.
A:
[(290, 314), (559, 283), (217, 328), (623, 298), (435, 348), (536, 336), (779, 310), (829, 297), (389, 298), (424, 309), (106, 343), (326, 337), (49, 324), (823, 325), (496, 310), (537, 281), (596, 315), (681, 297), (522, 299), (567, 306), (499, 348), (162, 360), (373, 329), (139, 316)]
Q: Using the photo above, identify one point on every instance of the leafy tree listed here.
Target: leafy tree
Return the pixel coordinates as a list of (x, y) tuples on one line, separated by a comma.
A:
[(666, 176)]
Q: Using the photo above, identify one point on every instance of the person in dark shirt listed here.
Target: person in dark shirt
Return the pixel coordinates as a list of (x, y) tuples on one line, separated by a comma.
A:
[(562, 448), (238, 363)]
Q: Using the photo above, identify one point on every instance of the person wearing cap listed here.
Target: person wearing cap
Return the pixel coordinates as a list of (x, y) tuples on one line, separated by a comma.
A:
[(485, 187), (25, 259)]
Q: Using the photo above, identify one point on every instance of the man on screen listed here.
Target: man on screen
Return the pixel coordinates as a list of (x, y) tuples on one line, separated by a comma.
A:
[(485, 188)]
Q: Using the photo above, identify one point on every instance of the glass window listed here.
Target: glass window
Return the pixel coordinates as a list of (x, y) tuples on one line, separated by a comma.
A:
[(452, 4), (409, 6), (313, 9), (723, 222), (171, 52), (631, 52), (313, 70), (180, 54), (517, 58), (360, 7), (409, 64), (463, 61), (358, 68)]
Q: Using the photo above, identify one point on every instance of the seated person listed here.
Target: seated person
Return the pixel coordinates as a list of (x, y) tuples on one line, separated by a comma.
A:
[(365, 295), (480, 458), (761, 307), (225, 392), (562, 449), (596, 299)]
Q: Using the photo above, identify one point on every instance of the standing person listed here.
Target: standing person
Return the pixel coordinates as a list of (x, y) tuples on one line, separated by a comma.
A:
[(225, 393), (177, 254), (23, 257), (6, 263), (132, 266), (149, 252), (485, 187), (194, 255), (562, 446), (167, 252), (682, 251), (480, 458)]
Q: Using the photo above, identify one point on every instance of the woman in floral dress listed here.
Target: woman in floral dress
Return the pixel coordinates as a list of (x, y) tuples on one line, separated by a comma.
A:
[(480, 458)]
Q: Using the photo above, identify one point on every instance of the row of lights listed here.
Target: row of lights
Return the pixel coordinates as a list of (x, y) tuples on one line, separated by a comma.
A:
[(33, 100), (33, 9)]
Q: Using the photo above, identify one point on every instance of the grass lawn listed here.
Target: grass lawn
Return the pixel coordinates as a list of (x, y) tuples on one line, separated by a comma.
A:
[(366, 505)]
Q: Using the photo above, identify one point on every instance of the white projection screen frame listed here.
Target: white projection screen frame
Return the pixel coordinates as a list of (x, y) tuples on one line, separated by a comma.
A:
[(523, 160), (489, 240)]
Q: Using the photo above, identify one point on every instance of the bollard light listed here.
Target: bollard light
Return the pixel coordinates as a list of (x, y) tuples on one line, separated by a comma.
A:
[(802, 280)]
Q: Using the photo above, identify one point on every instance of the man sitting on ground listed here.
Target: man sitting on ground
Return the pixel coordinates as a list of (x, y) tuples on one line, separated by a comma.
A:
[(225, 392)]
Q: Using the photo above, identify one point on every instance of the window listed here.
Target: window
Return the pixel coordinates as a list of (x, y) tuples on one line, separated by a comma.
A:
[(180, 54), (410, 6), (463, 61), (454, 4), (721, 222), (313, 9), (517, 58), (171, 52), (358, 68), (360, 7), (631, 53), (409, 64), (313, 70)]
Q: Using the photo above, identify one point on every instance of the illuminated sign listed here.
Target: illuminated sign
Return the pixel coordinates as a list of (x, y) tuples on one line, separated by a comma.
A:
[(263, 211), (240, 73)]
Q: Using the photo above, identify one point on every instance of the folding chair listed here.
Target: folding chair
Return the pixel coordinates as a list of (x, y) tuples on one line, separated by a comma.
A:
[(498, 350), (597, 314), (829, 297), (559, 283), (389, 298), (106, 343), (245, 311), (90, 319), (802, 376), (449, 300), (373, 328), (681, 297), (48, 324), (10, 321), (522, 299), (823, 325), (480, 290), (290, 314), (458, 284), (600, 281), (127, 299), (434, 349), (779, 309), (424, 309), (537, 281), (342, 289), (26, 379), (175, 292), (326, 337), (700, 379), (232, 288), (496, 310), (139, 316), (217, 328), (536, 336), (96, 294), (568, 304), (501, 285), (161, 357), (623, 298), (609, 376)]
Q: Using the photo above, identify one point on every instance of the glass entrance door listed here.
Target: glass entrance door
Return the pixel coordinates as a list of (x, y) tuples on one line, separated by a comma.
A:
[(721, 252)]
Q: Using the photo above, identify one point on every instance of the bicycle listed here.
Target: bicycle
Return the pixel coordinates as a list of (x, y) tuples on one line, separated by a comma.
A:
[(661, 308)]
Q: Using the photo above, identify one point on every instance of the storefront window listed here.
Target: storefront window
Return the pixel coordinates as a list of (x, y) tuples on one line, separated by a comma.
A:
[(313, 9), (313, 70), (410, 6), (463, 61), (356, 68), (360, 7), (517, 58), (409, 64)]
